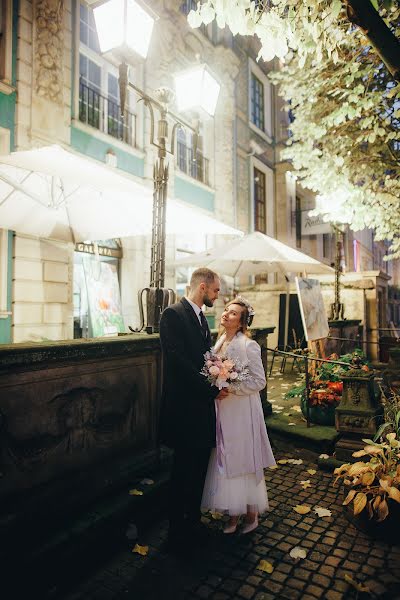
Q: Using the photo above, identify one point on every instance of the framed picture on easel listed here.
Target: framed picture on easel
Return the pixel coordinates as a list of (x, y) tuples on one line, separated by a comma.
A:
[(312, 309)]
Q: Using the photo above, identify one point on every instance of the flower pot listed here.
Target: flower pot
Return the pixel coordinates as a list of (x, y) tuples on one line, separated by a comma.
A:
[(387, 530), (320, 414)]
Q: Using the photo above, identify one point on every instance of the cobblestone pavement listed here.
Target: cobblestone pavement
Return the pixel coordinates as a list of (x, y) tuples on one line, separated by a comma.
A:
[(229, 568)]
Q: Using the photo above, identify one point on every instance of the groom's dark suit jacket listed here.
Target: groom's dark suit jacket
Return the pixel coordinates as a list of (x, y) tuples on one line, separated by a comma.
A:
[(187, 409)]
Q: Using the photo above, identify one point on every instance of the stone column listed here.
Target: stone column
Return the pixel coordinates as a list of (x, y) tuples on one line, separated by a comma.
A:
[(357, 414)]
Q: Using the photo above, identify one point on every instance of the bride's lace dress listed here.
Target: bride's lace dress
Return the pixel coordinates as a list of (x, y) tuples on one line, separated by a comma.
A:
[(235, 495)]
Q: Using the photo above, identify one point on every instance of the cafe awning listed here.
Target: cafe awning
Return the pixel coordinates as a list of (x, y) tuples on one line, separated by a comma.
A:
[(56, 193)]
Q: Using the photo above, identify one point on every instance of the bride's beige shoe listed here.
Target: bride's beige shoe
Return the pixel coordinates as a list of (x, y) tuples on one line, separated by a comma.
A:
[(251, 526), (231, 527)]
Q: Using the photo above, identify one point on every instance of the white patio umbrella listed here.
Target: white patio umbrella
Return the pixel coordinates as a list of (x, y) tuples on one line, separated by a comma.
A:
[(254, 254), (55, 193)]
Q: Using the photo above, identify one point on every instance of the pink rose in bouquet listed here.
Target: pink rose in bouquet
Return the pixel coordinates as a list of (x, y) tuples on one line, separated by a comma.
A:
[(223, 372)]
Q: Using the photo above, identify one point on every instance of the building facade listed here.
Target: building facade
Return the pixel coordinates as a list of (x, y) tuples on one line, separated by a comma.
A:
[(57, 88)]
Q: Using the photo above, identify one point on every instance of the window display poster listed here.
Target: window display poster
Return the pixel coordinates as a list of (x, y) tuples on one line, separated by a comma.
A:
[(312, 309), (104, 298)]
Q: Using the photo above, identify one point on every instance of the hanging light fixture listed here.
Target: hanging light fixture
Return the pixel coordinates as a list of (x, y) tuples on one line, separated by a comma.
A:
[(125, 27), (197, 89)]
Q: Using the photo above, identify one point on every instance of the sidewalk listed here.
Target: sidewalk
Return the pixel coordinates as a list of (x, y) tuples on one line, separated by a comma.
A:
[(335, 550), (338, 556)]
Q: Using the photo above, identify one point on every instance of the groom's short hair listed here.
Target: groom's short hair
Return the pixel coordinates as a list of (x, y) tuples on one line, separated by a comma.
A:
[(202, 275)]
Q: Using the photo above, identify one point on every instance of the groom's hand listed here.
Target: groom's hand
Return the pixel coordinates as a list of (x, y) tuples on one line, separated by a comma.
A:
[(223, 394)]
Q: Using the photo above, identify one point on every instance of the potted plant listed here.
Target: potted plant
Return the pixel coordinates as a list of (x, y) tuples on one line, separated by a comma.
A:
[(326, 388), (373, 484)]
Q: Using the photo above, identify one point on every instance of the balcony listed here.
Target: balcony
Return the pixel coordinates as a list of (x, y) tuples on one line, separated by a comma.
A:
[(103, 114), (197, 168)]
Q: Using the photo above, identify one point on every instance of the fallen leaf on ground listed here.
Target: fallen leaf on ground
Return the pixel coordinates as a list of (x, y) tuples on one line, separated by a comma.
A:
[(355, 584), (147, 481), (142, 550), (287, 414), (282, 461), (291, 423), (322, 512), (273, 467), (324, 456), (302, 509), (298, 552), (135, 492), (305, 484), (216, 515), (297, 461), (311, 471), (266, 566), (296, 408)]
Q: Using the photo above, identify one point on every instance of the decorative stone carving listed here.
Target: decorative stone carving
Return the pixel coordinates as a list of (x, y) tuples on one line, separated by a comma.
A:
[(357, 414), (48, 49)]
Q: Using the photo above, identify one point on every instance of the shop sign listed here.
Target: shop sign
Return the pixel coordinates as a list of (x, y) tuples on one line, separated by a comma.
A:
[(313, 225), (100, 250)]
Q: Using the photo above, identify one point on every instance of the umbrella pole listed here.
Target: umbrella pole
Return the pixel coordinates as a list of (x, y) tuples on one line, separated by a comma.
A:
[(286, 333)]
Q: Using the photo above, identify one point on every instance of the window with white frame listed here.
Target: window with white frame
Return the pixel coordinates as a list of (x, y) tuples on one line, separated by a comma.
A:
[(99, 102), (259, 201), (260, 102), (190, 160), (5, 41), (262, 197)]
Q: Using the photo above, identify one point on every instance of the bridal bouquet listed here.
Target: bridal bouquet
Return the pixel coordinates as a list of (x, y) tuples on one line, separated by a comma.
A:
[(222, 371)]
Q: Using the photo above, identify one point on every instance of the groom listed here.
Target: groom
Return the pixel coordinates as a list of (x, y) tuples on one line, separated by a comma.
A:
[(187, 412)]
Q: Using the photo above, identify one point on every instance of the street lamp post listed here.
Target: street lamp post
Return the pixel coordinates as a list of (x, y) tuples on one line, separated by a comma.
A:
[(337, 307), (196, 90)]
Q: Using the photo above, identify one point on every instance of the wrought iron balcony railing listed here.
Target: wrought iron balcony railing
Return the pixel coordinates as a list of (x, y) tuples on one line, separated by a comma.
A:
[(198, 169), (104, 114)]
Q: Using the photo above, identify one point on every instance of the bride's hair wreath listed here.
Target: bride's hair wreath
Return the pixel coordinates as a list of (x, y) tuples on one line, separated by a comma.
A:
[(249, 309)]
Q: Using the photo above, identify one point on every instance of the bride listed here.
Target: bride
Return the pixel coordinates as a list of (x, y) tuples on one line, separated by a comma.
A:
[(235, 478)]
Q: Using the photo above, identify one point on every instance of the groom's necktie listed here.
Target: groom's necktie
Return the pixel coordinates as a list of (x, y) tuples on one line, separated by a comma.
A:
[(204, 326)]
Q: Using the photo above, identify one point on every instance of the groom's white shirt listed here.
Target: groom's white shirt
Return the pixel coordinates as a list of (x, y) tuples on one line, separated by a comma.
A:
[(196, 309)]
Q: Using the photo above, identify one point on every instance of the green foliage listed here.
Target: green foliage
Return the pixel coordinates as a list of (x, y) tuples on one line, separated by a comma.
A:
[(345, 142)]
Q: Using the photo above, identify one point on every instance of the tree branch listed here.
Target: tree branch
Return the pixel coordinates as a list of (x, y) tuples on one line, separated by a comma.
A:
[(386, 44)]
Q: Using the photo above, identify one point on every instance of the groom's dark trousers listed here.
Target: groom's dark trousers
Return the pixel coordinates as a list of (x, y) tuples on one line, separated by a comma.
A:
[(187, 421)]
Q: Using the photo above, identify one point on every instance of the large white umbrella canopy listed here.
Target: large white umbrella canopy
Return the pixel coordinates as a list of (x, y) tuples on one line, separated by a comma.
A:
[(253, 254), (55, 193)]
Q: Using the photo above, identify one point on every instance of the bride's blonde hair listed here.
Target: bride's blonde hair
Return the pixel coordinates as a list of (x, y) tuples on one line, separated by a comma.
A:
[(245, 318)]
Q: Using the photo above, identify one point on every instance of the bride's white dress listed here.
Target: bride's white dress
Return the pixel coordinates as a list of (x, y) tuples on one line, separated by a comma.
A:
[(236, 484)]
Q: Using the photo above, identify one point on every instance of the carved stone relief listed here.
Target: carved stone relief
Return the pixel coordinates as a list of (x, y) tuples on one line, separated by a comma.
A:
[(48, 49)]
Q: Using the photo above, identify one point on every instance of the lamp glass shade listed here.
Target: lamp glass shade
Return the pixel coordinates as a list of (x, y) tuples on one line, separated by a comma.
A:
[(196, 88), (116, 32)]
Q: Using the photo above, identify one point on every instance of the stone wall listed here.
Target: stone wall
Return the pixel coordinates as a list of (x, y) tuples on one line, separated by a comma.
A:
[(42, 289)]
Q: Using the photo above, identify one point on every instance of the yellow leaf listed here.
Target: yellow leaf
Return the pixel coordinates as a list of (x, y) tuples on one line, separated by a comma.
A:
[(302, 509), (273, 467), (357, 468), (283, 461), (142, 550), (359, 502), (383, 511), (311, 471), (135, 493), (216, 516), (373, 449), (359, 453), (266, 566), (368, 478), (394, 493), (355, 584), (376, 502), (385, 485), (349, 497), (305, 484)]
